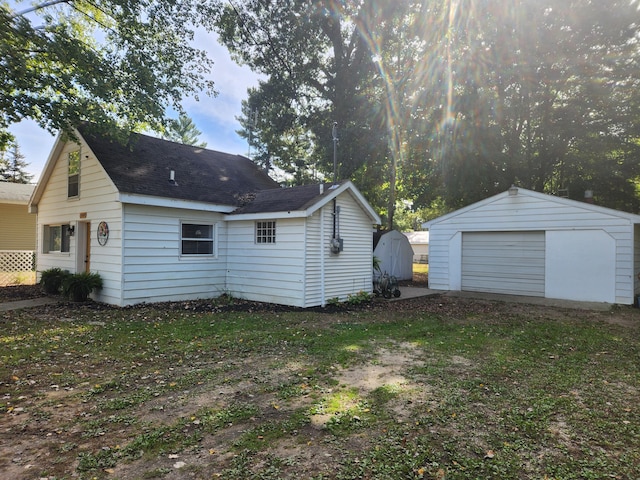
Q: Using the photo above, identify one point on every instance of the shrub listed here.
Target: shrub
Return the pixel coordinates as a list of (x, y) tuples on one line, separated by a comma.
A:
[(78, 286), (52, 279)]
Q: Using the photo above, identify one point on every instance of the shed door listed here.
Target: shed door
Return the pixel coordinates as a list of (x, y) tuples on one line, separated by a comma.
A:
[(504, 262)]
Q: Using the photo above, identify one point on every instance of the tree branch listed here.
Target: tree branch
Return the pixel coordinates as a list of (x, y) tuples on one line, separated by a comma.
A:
[(39, 7)]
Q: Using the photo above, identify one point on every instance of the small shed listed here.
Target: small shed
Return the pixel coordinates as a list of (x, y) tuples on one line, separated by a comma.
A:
[(523, 242), (419, 242), (394, 253)]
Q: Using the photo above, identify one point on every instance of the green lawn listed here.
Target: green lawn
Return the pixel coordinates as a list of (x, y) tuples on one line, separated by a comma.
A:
[(436, 388), (420, 268)]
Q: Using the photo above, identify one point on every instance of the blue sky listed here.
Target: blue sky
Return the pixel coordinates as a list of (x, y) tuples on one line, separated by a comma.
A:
[(215, 117)]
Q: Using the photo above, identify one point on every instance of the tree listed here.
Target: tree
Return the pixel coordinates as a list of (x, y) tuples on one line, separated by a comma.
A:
[(12, 165), (445, 103), (544, 95), (184, 131), (114, 63)]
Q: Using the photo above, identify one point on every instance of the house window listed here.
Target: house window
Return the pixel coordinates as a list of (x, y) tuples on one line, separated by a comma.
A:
[(197, 239), (55, 239), (266, 232), (74, 174)]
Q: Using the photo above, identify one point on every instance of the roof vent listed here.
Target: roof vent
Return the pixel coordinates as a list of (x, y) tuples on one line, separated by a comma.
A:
[(172, 178)]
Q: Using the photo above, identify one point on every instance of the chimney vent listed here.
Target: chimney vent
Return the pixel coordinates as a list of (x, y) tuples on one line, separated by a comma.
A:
[(172, 178)]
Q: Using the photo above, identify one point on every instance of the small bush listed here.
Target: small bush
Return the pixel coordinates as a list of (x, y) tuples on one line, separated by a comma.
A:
[(52, 279), (358, 298), (78, 286)]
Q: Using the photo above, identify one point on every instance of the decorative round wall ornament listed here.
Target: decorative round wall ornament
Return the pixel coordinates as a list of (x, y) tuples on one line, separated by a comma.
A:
[(103, 233)]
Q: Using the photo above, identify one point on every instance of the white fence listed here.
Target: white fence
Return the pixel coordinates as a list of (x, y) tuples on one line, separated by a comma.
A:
[(17, 267)]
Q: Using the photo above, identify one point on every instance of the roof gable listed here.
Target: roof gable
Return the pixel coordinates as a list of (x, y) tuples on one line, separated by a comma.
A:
[(523, 192)]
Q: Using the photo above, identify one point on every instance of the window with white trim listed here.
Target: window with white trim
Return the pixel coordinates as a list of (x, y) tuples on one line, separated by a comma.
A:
[(55, 239), (73, 181), (196, 239), (266, 231)]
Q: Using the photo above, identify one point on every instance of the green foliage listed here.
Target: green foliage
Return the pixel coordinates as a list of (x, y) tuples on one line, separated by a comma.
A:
[(78, 286), (12, 164), (443, 104), (184, 131), (52, 280), (358, 298), (115, 63)]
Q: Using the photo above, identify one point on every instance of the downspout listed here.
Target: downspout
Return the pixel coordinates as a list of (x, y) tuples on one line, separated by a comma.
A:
[(322, 247)]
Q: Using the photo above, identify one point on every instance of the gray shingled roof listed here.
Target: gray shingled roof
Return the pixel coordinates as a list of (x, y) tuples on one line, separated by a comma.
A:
[(18, 193), (143, 167), (284, 199)]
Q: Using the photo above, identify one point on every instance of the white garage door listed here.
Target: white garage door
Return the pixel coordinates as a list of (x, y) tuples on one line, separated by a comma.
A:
[(503, 262)]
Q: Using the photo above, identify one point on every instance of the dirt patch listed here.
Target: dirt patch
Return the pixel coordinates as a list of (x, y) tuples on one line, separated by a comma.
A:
[(14, 293)]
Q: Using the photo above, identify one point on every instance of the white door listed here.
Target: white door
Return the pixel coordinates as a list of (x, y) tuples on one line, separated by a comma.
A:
[(504, 262)]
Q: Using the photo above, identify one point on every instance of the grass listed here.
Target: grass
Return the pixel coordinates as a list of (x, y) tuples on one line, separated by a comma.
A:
[(446, 388), (420, 268)]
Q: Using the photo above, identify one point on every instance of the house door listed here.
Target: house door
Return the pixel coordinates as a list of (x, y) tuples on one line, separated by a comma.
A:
[(87, 247), (83, 242)]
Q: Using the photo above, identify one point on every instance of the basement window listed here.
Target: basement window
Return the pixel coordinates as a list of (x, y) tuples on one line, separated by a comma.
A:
[(55, 239), (266, 232), (197, 239)]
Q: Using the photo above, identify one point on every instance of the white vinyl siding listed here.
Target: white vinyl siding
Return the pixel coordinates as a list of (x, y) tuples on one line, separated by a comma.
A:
[(98, 202), (154, 269), (268, 272), (291, 271), (504, 262), (346, 273)]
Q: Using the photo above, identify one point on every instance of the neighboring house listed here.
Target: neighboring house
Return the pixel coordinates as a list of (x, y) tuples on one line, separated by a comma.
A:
[(528, 243), (18, 230), (161, 221), (394, 254), (17, 235), (420, 244)]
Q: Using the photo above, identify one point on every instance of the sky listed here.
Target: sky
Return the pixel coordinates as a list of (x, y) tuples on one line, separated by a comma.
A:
[(215, 117)]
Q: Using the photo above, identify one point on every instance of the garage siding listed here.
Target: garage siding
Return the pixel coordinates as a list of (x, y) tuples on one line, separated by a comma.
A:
[(504, 262), (530, 211)]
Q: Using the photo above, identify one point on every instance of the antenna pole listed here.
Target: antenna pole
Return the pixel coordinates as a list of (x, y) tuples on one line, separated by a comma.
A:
[(253, 122), (335, 152)]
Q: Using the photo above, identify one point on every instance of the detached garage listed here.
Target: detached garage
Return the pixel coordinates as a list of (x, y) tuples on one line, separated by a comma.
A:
[(522, 242)]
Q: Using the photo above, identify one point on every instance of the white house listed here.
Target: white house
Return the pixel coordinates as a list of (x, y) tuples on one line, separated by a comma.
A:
[(419, 242), (394, 254), (161, 221), (528, 243)]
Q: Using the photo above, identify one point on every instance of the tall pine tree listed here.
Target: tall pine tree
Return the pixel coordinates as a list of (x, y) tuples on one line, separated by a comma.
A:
[(13, 164)]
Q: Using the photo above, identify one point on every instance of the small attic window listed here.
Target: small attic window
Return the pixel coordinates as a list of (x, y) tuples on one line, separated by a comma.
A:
[(73, 182)]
